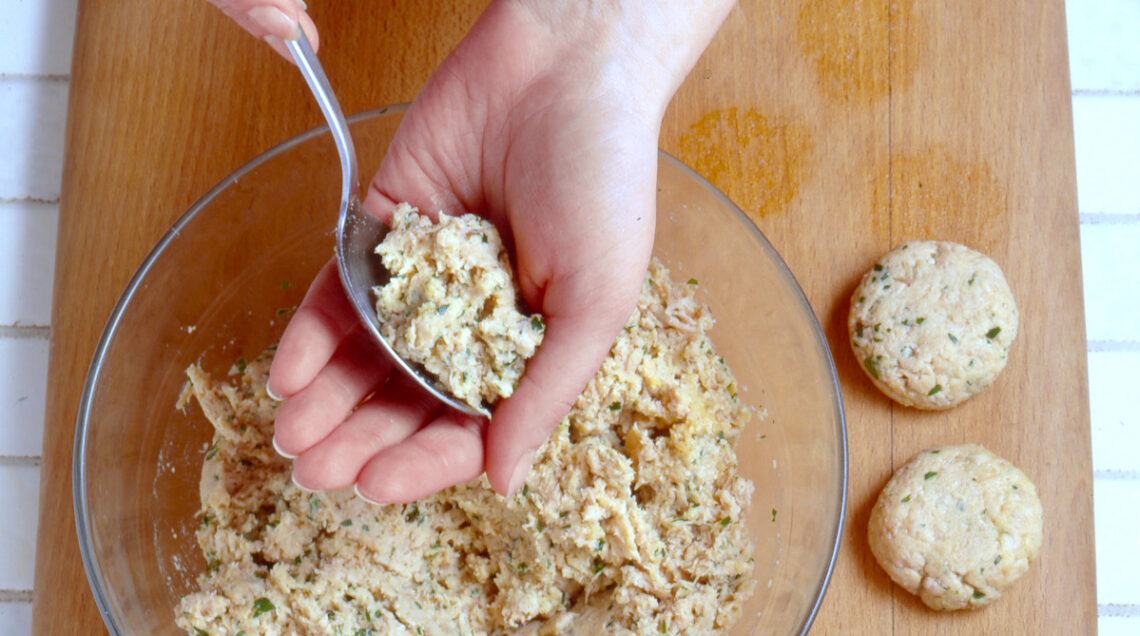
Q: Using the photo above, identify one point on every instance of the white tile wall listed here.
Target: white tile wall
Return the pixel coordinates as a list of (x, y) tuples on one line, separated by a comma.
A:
[(35, 52)]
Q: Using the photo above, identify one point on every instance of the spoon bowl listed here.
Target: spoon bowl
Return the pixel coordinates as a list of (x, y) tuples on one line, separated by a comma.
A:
[(357, 232)]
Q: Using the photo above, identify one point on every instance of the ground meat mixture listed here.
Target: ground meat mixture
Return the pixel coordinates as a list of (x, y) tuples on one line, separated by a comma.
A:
[(629, 522)]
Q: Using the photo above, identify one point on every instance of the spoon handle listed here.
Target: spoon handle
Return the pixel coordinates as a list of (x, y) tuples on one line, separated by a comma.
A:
[(314, 74)]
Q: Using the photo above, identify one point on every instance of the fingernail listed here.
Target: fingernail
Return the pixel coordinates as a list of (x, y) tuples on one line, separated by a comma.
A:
[(298, 484), (274, 22), (269, 391), (281, 452), (356, 489), (520, 473)]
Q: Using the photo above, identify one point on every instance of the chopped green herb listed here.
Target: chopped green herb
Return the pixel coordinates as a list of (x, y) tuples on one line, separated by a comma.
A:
[(692, 281), (201, 632), (920, 320), (952, 338), (261, 606), (997, 560), (859, 331), (906, 499), (241, 365), (522, 567), (615, 406), (929, 475), (725, 521), (212, 453), (601, 545), (936, 389), (599, 566), (971, 281), (773, 515), (346, 523), (484, 237), (563, 514), (537, 323), (992, 333), (872, 368), (442, 309), (661, 626), (878, 267), (285, 284), (979, 594)]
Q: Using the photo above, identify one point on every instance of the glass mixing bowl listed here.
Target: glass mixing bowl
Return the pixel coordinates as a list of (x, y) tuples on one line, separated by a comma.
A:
[(219, 286)]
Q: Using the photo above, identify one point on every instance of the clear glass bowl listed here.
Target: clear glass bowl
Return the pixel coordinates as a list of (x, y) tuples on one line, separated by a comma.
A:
[(218, 287)]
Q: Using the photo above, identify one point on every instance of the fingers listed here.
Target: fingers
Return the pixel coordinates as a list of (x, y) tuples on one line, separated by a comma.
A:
[(446, 452), (386, 419), (272, 20), (321, 322), (354, 371)]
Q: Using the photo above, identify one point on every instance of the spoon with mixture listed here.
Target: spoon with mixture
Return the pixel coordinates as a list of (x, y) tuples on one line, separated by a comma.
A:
[(357, 232)]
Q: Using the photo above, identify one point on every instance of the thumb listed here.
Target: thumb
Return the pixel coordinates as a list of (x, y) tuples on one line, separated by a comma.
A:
[(571, 353)]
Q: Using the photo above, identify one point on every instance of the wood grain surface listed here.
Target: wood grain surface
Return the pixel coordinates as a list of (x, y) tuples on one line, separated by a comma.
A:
[(842, 127)]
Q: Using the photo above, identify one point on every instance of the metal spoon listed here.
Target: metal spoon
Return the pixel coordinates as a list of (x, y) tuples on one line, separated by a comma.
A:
[(357, 232)]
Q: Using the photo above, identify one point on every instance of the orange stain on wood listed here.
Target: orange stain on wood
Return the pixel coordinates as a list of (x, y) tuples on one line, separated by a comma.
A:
[(848, 41), (933, 188), (758, 161)]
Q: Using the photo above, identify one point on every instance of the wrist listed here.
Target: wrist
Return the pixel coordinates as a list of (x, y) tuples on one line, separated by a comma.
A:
[(635, 49)]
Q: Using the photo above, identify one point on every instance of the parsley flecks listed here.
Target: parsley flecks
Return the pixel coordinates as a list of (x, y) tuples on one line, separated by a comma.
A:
[(692, 281), (201, 632), (930, 475), (725, 521), (992, 333), (484, 237), (937, 388), (346, 523), (773, 515), (615, 406), (979, 594), (920, 320), (537, 323), (952, 338), (997, 560), (212, 453), (878, 267), (261, 606), (241, 364), (285, 284), (599, 566), (873, 369), (906, 499)]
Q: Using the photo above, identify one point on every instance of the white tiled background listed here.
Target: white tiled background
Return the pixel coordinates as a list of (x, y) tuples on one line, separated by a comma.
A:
[(1104, 53)]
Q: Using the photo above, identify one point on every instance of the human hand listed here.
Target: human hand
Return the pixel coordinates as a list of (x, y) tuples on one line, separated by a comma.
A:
[(545, 120), (272, 20)]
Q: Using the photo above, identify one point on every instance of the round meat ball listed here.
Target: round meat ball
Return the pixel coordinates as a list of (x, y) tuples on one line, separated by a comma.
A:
[(932, 323), (957, 526)]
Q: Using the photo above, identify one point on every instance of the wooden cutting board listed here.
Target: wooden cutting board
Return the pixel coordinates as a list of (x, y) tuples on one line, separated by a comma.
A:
[(841, 126)]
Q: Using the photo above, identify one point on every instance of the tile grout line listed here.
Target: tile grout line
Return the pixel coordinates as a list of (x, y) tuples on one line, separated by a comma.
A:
[(1117, 475), (1109, 218), (29, 199), (1106, 92), (29, 332), (1108, 346), (16, 596), (46, 77), (1130, 610), (33, 461)]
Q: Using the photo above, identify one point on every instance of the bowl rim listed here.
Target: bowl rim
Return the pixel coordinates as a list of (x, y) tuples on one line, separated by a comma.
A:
[(91, 565)]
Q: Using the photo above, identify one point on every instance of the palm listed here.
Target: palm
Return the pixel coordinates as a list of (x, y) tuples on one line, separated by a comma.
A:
[(568, 176)]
